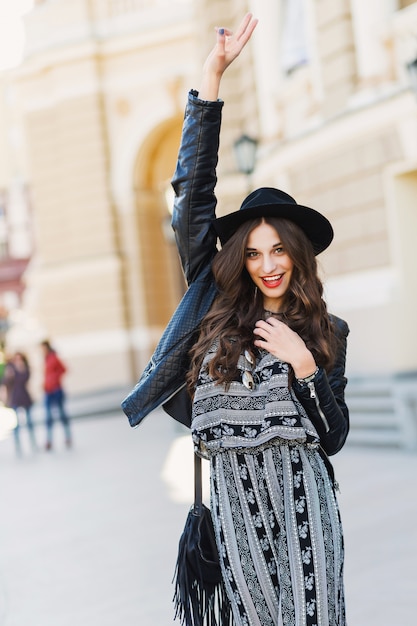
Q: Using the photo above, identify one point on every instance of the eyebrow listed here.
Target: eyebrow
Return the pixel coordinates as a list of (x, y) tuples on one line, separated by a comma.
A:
[(276, 245)]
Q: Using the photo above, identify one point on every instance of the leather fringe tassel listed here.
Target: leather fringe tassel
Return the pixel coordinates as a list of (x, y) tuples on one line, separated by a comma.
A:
[(200, 597)]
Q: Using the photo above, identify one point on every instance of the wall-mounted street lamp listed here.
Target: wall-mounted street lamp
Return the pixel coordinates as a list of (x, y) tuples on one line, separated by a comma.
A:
[(245, 154), (412, 72)]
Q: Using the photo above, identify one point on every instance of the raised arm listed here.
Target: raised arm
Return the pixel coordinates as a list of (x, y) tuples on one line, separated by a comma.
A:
[(195, 179)]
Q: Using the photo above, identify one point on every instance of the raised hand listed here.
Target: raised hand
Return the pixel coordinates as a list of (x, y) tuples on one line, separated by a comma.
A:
[(228, 46)]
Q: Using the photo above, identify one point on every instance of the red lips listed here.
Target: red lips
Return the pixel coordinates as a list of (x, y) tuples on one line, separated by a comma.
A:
[(272, 281)]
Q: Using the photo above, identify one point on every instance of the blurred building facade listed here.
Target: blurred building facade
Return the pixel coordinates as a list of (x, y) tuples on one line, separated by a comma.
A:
[(16, 225), (325, 90)]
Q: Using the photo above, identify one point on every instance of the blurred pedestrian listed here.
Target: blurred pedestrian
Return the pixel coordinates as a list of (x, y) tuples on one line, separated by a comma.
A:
[(15, 380), (2, 365), (54, 370)]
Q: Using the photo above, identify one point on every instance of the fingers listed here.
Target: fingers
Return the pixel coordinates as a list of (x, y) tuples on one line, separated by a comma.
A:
[(246, 28), (243, 33), (270, 330), (263, 329), (271, 321), (223, 32)]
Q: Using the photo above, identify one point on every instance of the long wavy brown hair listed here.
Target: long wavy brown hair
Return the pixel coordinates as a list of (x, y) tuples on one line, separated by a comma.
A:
[(239, 304)]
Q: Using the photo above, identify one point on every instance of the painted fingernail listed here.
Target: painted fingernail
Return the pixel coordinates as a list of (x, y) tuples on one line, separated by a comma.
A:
[(221, 31)]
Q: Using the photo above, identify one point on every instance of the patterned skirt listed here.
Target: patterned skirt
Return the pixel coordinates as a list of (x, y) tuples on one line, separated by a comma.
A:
[(279, 536)]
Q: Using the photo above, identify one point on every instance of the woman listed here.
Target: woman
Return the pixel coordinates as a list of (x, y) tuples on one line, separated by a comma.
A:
[(265, 374), (54, 371), (16, 379)]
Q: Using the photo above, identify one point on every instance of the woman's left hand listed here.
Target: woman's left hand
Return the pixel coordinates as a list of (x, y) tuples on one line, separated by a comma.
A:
[(285, 344), (228, 46)]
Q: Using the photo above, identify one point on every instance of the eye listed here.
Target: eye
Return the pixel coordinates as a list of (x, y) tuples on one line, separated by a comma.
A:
[(251, 254), (279, 250)]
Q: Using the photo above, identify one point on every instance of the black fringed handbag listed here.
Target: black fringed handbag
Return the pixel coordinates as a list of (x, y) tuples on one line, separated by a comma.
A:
[(200, 598)]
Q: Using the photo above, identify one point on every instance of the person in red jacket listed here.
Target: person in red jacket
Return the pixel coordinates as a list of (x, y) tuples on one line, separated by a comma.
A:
[(54, 370)]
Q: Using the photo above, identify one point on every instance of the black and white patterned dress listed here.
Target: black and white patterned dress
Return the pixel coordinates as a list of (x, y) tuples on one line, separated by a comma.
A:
[(273, 504)]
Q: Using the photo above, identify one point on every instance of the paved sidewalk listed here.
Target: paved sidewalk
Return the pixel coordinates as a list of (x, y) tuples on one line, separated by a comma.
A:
[(88, 536)]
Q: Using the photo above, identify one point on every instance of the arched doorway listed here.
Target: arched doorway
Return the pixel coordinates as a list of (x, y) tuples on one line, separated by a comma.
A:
[(163, 284)]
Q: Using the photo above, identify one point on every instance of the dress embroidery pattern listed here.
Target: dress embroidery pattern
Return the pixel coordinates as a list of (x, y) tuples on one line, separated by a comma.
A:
[(241, 417), (273, 505)]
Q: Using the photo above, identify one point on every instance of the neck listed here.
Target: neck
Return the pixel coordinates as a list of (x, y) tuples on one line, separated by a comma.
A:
[(268, 312), (273, 305)]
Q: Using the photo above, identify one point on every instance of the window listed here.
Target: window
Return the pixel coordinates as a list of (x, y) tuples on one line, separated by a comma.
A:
[(294, 45)]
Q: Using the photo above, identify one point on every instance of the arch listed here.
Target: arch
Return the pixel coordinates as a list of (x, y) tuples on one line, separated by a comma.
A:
[(162, 279), (156, 159)]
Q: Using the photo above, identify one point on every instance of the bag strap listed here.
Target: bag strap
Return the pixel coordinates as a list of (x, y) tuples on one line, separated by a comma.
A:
[(198, 487)]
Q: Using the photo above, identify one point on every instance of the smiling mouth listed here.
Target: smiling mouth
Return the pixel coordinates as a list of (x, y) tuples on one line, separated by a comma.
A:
[(272, 281)]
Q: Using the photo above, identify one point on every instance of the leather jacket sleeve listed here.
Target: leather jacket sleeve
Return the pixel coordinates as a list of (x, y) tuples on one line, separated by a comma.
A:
[(324, 400), (163, 380), (194, 182)]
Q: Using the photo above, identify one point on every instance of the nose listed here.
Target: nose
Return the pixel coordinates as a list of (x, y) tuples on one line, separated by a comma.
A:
[(268, 264)]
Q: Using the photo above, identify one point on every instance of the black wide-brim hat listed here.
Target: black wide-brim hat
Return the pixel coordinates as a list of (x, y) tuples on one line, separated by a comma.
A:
[(270, 202)]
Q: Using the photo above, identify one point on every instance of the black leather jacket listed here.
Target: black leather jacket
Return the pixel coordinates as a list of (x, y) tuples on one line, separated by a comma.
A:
[(163, 380)]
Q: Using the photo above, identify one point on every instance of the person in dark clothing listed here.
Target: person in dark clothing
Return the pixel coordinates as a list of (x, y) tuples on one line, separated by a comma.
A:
[(54, 370), (15, 379), (265, 376)]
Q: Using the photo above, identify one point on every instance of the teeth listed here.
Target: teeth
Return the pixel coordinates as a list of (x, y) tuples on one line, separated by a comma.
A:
[(272, 278)]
